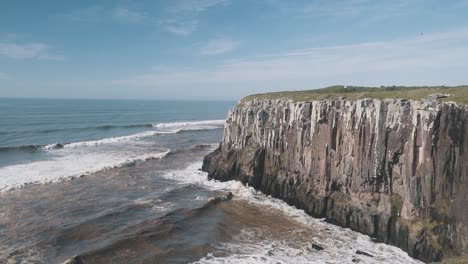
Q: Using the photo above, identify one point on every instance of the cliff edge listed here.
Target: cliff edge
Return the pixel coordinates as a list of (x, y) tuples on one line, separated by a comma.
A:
[(394, 169)]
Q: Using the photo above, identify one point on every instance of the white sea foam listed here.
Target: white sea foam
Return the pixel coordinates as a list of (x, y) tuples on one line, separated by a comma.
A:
[(160, 128), (192, 124), (81, 158), (339, 247), (157, 205), (340, 243), (175, 127), (66, 164), (50, 146), (113, 139)]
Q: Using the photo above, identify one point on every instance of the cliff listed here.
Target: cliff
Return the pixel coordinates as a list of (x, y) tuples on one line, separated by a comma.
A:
[(394, 169)]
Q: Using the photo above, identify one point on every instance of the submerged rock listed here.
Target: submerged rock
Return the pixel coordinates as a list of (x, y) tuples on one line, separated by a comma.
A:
[(393, 169), (359, 252), (317, 247), (59, 146), (222, 199)]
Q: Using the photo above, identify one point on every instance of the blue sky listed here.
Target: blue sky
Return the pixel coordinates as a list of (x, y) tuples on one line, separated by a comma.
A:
[(226, 49)]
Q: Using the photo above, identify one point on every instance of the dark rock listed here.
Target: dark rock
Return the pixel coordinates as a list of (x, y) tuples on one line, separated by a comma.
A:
[(438, 96), (74, 260), (363, 253), (222, 199), (202, 146), (317, 247)]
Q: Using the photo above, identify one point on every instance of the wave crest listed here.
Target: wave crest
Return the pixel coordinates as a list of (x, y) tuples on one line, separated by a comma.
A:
[(159, 129), (67, 167)]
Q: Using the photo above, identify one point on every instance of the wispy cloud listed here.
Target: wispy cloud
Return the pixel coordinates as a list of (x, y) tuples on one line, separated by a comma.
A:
[(38, 51), (3, 76), (9, 37), (183, 16), (351, 9), (180, 27), (195, 6), (97, 13), (85, 14), (411, 60), (219, 46), (126, 15), (345, 8), (365, 10)]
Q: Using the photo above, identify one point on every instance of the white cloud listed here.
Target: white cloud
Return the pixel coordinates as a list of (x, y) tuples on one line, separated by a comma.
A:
[(183, 16), (438, 58), (219, 46), (28, 51), (126, 15)]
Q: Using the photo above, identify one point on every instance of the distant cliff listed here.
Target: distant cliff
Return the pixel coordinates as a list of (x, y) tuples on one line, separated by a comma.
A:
[(394, 169)]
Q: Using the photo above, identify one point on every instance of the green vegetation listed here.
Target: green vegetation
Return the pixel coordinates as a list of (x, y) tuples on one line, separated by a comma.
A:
[(441, 208), (455, 260), (458, 94), (423, 225), (396, 204)]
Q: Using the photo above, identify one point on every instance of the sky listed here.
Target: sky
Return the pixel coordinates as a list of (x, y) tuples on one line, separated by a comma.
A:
[(226, 49)]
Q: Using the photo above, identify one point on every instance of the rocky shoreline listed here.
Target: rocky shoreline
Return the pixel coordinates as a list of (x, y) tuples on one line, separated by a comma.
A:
[(393, 169)]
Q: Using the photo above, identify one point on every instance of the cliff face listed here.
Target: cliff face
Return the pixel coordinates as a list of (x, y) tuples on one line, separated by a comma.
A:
[(394, 169)]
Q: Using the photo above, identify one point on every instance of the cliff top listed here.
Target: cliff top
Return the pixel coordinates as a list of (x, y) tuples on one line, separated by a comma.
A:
[(457, 94)]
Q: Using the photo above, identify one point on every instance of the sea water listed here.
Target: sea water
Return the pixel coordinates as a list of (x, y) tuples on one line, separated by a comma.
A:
[(119, 181)]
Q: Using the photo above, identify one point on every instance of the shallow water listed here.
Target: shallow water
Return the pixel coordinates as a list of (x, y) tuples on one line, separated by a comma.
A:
[(162, 211)]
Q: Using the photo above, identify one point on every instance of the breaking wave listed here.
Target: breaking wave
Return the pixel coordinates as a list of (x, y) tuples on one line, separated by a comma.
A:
[(158, 129)]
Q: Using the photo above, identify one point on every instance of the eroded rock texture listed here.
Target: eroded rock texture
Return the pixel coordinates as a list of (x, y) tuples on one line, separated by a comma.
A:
[(396, 170)]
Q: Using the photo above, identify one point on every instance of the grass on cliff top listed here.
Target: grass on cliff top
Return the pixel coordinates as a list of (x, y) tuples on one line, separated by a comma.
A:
[(459, 94)]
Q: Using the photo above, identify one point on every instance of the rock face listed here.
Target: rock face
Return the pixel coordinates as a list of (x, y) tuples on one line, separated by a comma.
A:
[(394, 169)]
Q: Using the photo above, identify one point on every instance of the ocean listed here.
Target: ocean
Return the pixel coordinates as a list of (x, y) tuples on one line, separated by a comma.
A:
[(119, 181)]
